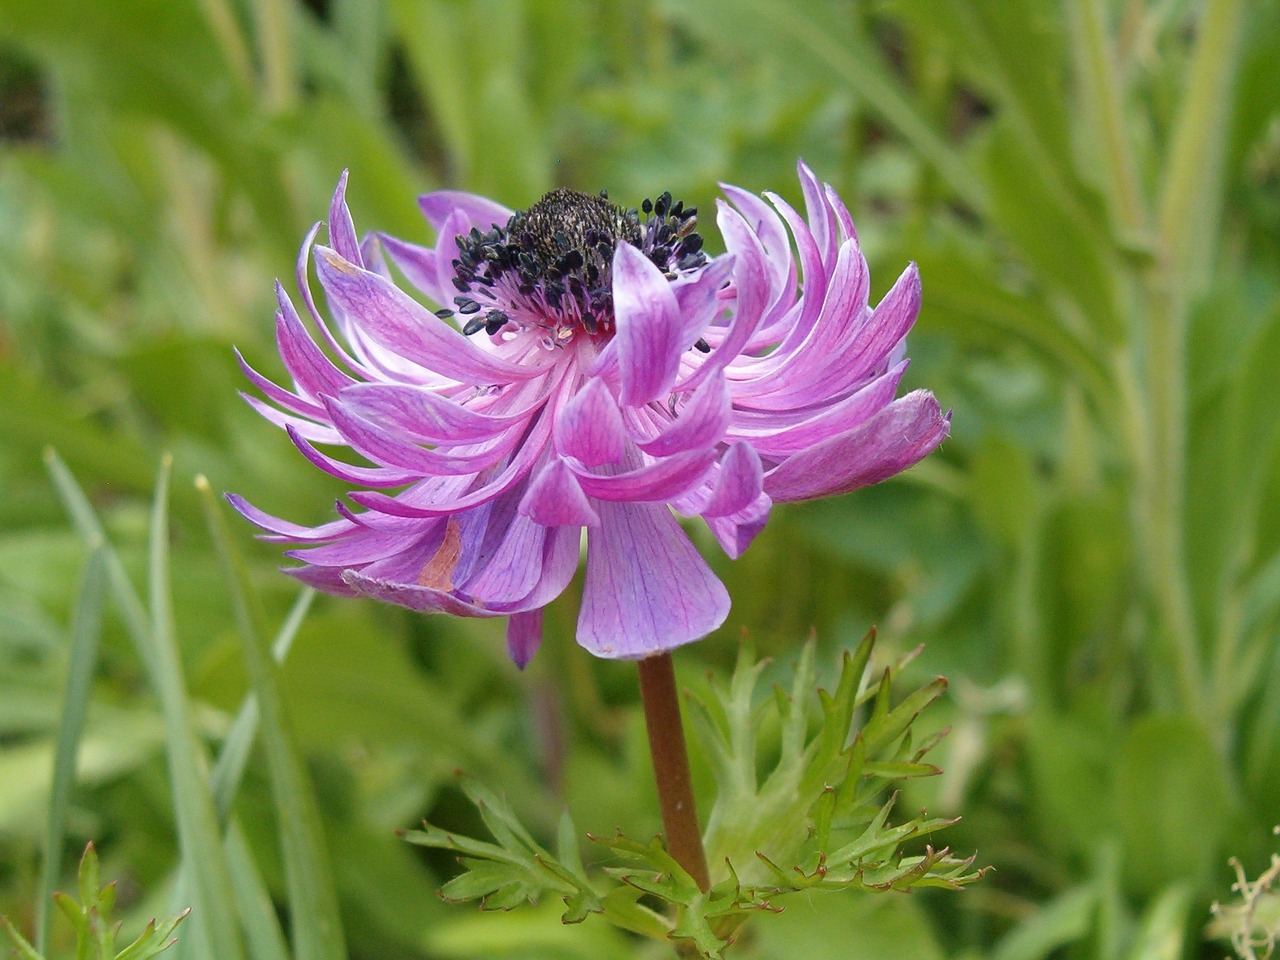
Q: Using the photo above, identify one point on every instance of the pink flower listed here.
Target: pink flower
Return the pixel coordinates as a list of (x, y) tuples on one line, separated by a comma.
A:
[(592, 370)]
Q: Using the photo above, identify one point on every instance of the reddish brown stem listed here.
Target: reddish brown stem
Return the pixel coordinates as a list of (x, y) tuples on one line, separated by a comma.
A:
[(671, 767)]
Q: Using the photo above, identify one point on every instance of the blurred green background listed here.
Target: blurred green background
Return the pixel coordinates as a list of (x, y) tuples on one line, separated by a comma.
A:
[(1092, 191)]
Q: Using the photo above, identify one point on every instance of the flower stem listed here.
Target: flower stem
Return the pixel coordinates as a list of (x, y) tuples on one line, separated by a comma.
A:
[(671, 767)]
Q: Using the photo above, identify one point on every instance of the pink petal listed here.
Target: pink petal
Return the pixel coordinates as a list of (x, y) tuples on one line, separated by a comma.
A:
[(740, 483), (423, 414), (312, 371), (342, 231), (418, 264), (663, 480), (514, 568), (481, 211), (736, 531), (647, 590), (387, 447), (648, 325), (366, 476), (899, 436), (590, 427), (555, 498), (524, 636), (396, 321), (701, 423)]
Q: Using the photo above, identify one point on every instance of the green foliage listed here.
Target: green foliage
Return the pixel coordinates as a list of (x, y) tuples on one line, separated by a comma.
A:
[(91, 919), (1092, 193), (828, 776)]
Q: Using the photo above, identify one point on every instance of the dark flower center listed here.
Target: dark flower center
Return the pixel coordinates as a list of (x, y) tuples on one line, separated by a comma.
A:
[(551, 266)]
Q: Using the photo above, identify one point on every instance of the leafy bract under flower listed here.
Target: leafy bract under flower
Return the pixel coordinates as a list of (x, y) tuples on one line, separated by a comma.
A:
[(586, 368)]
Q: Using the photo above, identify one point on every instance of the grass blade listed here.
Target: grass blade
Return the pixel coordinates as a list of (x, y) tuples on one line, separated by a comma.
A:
[(203, 861), (313, 901), (229, 769), (86, 629), (262, 931)]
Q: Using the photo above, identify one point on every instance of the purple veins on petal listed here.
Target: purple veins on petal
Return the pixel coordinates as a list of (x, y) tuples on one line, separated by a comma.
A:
[(646, 590), (574, 373)]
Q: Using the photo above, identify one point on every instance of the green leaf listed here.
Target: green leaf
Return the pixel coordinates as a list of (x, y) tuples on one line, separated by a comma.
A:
[(313, 901), (199, 837), (1169, 787), (85, 633)]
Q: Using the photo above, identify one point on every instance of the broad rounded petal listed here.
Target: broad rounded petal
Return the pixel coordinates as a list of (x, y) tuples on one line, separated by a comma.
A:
[(647, 590), (701, 423), (524, 636), (555, 498), (647, 320), (590, 427), (899, 436)]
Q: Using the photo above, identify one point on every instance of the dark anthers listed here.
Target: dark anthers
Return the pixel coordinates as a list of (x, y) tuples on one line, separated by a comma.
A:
[(552, 265)]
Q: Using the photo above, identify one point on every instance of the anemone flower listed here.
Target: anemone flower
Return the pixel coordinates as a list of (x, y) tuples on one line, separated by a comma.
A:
[(586, 368)]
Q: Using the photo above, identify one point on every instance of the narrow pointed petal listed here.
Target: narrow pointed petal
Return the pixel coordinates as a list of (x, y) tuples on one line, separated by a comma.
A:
[(407, 328), (590, 428), (648, 328), (647, 590), (555, 498), (663, 480), (481, 211), (701, 424), (524, 636), (342, 231), (899, 436)]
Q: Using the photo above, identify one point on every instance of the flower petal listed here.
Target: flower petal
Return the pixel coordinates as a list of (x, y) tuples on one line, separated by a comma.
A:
[(701, 423), (897, 437), (646, 590), (555, 498), (740, 484), (664, 480), (735, 532), (425, 415), (524, 636), (481, 211), (590, 427), (402, 325), (342, 230), (648, 325)]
